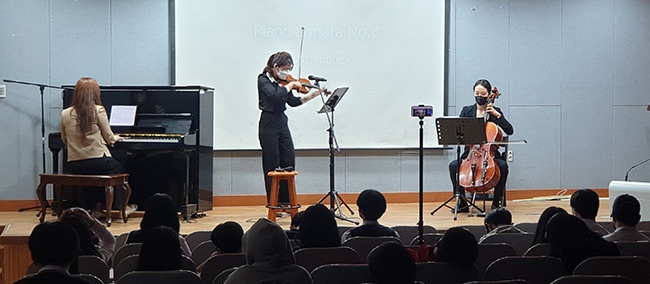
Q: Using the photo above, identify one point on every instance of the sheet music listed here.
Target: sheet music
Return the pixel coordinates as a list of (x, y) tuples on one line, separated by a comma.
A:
[(122, 115)]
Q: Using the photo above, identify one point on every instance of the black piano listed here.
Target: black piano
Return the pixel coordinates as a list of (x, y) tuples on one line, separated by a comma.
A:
[(169, 148)]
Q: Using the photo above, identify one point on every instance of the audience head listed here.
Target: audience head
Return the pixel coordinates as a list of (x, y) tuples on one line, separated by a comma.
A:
[(497, 217), (390, 263), (584, 203), (227, 237), (53, 243), (160, 251), (626, 210), (160, 210), (318, 228), (265, 242), (296, 219), (458, 246), (372, 204), (540, 230)]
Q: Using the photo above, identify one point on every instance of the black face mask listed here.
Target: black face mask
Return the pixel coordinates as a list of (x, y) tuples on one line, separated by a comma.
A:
[(480, 100)]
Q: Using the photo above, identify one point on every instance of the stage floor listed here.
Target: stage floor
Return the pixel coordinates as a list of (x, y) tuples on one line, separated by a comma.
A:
[(21, 223)]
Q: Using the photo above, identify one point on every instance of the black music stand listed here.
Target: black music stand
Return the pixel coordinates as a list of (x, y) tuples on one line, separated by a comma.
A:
[(335, 198), (459, 131)]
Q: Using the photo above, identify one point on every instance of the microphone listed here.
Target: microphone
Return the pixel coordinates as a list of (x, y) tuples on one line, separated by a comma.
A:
[(316, 78), (628, 171)]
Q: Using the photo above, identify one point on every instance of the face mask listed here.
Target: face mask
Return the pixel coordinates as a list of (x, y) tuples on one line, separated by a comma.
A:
[(283, 74), (480, 100)]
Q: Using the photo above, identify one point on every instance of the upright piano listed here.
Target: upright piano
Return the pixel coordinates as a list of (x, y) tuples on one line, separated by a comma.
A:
[(169, 148)]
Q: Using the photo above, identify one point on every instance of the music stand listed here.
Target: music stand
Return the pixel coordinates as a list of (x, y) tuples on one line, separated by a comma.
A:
[(335, 198), (459, 131)]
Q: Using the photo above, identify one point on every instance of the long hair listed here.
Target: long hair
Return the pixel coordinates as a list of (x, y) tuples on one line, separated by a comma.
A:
[(281, 58), (84, 99), (318, 228), (160, 251), (160, 210)]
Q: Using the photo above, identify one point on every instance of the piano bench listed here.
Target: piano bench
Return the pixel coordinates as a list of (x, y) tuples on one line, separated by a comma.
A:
[(273, 206), (106, 181)]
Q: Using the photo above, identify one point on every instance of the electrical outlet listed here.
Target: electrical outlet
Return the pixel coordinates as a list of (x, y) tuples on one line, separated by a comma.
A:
[(3, 91), (511, 156)]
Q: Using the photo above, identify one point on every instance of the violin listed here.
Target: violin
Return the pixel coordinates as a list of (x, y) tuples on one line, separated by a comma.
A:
[(306, 85), (479, 172)]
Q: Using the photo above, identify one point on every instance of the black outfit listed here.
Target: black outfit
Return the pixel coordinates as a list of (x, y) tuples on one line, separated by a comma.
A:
[(274, 135), (470, 111), (51, 277)]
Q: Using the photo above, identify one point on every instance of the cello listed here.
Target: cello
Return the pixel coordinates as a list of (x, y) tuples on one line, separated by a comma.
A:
[(479, 172)]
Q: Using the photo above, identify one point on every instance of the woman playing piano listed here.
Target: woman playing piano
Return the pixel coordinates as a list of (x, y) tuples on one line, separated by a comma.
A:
[(86, 132), (274, 94)]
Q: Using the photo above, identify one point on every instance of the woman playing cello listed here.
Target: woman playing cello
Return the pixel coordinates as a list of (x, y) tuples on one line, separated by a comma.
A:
[(482, 108)]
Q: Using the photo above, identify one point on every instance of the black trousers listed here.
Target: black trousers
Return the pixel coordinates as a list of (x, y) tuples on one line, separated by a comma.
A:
[(97, 166), (498, 189), (277, 149)]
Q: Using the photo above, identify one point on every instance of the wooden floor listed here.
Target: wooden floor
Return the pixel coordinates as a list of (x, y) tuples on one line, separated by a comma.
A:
[(21, 223)]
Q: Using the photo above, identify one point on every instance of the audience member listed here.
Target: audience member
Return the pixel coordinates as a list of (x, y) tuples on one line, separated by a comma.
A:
[(160, 250), (94, 238), (54, 247), (372, 205), (457, 246), (160, 210), (626, 215), (227, 238), (584, 205), (499, 221), (540, 230), (269, 258), (318, 228), (573, 242), (390, 263)]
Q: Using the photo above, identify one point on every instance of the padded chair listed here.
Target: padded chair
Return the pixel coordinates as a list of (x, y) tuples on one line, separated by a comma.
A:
[(477, 230), (634, 249), (343, 229), (608, 225), (511, 281), (488, 253), (94, 265), (429, 239), (125, 251), (220, 263), (528, 227), (592, 279), (520, 242), (540, 249), (634, 268), (341, 274), (90, 278), (203, 251), (130, 264), (534, 269), (120, 241), (311, 258), (407, 233), (363, 245), (221, 278), (643, 226), (160, 277), (194, 239), (442, 272)]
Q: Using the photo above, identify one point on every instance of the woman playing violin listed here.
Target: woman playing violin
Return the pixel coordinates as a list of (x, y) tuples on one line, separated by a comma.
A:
[(274, 93), (482, 90)]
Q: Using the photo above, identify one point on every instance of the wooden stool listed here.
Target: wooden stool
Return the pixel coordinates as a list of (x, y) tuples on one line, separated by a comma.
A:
[(273, 206), (106, 181)]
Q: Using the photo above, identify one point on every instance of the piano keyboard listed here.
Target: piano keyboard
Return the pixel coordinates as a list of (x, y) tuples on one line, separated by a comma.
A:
[(150, 140)]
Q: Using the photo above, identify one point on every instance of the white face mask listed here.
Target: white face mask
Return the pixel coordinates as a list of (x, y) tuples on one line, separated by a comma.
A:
[(283, 74)]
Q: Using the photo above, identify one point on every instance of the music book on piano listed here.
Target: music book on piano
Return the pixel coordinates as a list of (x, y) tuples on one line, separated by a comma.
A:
[(122, 115)]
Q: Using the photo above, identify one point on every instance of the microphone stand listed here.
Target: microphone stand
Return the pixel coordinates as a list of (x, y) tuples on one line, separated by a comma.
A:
[(42, 89), (632, 167)]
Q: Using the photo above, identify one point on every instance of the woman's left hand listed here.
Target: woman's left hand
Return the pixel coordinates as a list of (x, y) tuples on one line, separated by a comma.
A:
[(490, 109)]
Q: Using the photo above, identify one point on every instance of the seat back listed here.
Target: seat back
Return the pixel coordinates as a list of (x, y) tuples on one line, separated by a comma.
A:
[(489, 252), (534, 269), (477, 230), (528, 227), (221, 277), (90, 278), (634, 249), (92, 264), (220, 263), (203, 251), (160, 277), (343, 229), (125, 251), (511, 281), (130, 264), (442, 272), (520, 242), (429, 239), (194, 239), (635, 268), (407, 233), (540, 249), (643, 226), (120, 240), (592, 279), (341, 274), (311, 258), (363, 245)]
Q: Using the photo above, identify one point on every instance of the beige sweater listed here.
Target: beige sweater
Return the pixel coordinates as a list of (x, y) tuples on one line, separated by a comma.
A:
[(89, 145)]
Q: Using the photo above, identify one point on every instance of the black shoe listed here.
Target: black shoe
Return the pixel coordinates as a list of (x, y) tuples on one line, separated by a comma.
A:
[(496, 205), (461, 209)]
